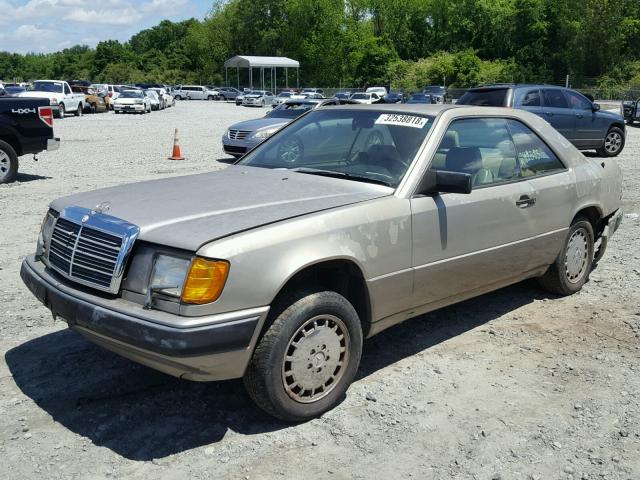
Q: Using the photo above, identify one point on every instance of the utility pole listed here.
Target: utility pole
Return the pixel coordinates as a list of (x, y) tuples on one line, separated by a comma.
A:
[(566, 82)]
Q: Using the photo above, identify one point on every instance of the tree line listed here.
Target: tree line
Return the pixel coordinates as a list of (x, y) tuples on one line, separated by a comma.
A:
[(355, 43)]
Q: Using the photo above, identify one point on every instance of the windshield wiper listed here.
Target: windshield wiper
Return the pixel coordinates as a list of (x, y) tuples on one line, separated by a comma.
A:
[(334, 174)]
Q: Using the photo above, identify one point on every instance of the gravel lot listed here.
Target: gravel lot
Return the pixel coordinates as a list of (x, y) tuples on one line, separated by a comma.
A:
[(511, 385)]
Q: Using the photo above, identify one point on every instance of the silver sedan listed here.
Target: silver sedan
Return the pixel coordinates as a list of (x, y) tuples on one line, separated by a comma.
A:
[(347, 221)]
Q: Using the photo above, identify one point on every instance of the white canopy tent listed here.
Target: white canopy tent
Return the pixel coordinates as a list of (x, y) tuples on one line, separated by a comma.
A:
[(263, 63)]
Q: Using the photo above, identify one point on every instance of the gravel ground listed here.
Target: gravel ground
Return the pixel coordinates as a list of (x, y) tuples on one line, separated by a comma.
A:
[(512, 385)]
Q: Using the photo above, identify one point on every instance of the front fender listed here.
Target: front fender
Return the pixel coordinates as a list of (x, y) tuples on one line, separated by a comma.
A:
[(374, 235)]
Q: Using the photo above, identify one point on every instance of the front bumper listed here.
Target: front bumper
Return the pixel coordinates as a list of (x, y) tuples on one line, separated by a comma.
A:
[(219, 347), (238, 147), (129, 108)]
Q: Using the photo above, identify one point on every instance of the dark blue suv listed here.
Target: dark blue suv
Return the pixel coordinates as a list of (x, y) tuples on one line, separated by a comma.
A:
[(571, 113)]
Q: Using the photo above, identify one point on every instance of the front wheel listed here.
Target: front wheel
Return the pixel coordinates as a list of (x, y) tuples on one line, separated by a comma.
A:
[(61, 111), (613, 143), (307, 358), (571, 269), (79, 110), (8, 163)]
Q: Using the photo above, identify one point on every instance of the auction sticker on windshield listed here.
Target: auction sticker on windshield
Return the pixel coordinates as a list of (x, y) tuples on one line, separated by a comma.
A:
[(401, 120)]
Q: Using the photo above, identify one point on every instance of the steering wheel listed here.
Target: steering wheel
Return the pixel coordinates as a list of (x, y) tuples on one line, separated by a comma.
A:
[(291, 150)]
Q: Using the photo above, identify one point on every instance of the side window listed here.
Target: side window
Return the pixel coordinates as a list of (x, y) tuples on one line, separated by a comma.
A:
[(481, 147), (531, 99), (67, 90), (534, 157), (577, 101), (554, 98)]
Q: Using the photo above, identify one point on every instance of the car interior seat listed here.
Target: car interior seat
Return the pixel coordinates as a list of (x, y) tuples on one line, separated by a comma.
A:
[(468, 160)]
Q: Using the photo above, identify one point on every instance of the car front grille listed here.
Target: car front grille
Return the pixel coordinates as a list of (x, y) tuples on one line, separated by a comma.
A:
[(238, 134), (84, 254)]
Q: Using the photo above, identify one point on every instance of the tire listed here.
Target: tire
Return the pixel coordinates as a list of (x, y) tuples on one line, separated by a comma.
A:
[(223, 98), (117, 112), (210, 98), (8, 163), (613, 143), (571, 269), (93, 108), (285, 356), (61, 111), (78, 110)]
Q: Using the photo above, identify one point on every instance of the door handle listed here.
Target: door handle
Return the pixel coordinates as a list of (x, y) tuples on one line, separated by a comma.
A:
[(525, 201), (579, 115)]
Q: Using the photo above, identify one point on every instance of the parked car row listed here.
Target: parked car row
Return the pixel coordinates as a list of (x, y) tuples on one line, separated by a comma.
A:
[(78, 97)]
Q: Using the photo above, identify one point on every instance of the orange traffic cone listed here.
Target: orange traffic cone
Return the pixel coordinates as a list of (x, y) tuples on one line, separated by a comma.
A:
[(177, 155)]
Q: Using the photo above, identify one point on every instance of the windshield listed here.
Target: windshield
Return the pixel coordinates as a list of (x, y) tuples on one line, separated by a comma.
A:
[(131, 94), (291, 110), (284, 94), (363, 145), (53, 87), (360, 96)]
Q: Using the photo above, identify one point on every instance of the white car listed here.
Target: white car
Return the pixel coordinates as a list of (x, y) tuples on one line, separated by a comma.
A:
[(281, 98), (194, 92), (257, 98), (132, 101), (366, 98), (60, 95), (154, 98), (169, 101), (381, 91)]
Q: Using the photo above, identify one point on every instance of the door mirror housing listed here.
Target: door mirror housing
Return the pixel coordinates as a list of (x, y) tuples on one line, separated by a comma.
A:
[(444, 181), (595, 107)]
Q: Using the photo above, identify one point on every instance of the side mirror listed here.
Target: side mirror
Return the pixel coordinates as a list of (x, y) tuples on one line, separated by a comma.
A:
[(595, 107), (443, 181)]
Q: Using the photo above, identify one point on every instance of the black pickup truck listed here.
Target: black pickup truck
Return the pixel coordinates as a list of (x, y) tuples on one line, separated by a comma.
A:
[(26, 127)]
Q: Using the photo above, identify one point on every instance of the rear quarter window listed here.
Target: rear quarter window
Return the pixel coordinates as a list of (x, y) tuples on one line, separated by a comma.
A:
[(486, 98)]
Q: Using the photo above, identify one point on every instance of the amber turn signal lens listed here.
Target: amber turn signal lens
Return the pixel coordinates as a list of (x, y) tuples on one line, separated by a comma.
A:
[(205, 281)]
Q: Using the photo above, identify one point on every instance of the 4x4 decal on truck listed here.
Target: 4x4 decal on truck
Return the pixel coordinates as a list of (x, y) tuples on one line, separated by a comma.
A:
[(23, 111)]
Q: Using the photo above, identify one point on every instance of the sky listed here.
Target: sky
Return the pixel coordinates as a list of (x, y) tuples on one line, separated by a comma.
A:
[(43, 26)]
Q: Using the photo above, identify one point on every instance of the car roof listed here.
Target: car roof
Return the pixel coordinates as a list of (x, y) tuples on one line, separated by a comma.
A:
[(491, 86), (423, 109)]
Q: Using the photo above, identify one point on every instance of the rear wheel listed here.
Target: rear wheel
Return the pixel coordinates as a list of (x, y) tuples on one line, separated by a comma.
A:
[(61, 111), (8, 163), (571, 269), (613, 143), (307, 358)]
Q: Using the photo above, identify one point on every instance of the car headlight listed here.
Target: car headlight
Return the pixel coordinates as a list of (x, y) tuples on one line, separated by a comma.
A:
[(46, 229), (195, 281), (265, 132), (139, 101), (53, 101)]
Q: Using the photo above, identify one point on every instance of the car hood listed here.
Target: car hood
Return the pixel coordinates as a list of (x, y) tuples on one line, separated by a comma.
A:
[(128, 100), (190, 211), (253, 96), (252, 125)]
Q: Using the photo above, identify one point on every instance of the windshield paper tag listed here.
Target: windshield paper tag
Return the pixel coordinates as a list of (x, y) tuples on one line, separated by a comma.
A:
[(402, 120)]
